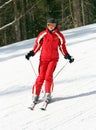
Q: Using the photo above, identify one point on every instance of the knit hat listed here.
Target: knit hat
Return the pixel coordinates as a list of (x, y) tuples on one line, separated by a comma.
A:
[(51, 20)]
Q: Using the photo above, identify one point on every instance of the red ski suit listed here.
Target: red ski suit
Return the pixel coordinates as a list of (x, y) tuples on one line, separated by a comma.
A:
[(49, 44)]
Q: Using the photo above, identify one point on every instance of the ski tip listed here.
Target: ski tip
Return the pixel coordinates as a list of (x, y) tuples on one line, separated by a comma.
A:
[(43, 109), (31, 108)]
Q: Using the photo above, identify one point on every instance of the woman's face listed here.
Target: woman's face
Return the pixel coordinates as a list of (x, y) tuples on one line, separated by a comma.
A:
[(51, 26)]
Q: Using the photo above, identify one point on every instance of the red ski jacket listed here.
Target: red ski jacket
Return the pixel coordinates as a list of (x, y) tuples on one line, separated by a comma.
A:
[(49, 44)]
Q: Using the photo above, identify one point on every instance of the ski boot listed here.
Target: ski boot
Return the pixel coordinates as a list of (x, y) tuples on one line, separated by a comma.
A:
[(35, 99), (47, 97)]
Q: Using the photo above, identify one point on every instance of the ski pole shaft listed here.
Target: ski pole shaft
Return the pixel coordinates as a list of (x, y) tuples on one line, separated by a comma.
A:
[(60, 70), (33, 68), (34, 72)]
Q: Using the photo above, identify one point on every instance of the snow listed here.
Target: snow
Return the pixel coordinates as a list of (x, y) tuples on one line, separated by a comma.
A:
[(74, 96)]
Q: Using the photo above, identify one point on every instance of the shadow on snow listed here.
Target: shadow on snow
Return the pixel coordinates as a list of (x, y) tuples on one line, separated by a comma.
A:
[(74, 96)]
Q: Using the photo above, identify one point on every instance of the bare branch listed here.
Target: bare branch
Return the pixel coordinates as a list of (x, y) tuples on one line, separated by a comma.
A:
[(5, 4)]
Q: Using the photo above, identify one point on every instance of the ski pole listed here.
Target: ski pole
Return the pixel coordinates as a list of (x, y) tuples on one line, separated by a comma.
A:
[(34, 72), (33, 68), (57, 75), (60, 70)]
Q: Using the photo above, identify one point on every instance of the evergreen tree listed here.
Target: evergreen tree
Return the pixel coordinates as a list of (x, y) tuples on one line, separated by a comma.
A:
[(24, 19)]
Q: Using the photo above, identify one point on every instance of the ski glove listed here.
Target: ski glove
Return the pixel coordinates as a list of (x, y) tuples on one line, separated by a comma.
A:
[(67, 56), (31, 53)]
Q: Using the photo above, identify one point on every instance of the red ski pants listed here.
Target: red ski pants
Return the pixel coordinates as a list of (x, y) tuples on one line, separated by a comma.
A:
[(46, 69)]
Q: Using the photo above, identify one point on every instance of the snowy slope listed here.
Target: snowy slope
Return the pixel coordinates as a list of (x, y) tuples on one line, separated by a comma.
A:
[(74, 96)]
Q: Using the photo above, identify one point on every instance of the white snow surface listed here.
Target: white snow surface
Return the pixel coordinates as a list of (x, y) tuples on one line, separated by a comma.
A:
[(74, 95)]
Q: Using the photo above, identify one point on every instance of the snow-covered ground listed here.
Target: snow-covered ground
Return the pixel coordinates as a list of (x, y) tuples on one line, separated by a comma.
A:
[(74, 96)]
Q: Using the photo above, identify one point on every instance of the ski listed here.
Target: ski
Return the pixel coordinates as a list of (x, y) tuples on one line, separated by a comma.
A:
[(32, 106), (44, 106)]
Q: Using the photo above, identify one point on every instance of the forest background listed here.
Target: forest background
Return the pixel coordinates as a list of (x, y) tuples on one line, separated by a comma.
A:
[(24, 19)]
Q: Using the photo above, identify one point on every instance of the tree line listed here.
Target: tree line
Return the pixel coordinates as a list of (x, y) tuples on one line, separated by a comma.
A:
[(24, 19)]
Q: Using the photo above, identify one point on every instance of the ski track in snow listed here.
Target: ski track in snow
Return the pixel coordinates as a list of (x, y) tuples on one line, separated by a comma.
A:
[(74, 97)]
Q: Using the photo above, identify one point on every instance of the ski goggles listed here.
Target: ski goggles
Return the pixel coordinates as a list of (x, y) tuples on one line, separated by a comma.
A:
[(51, 24)]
